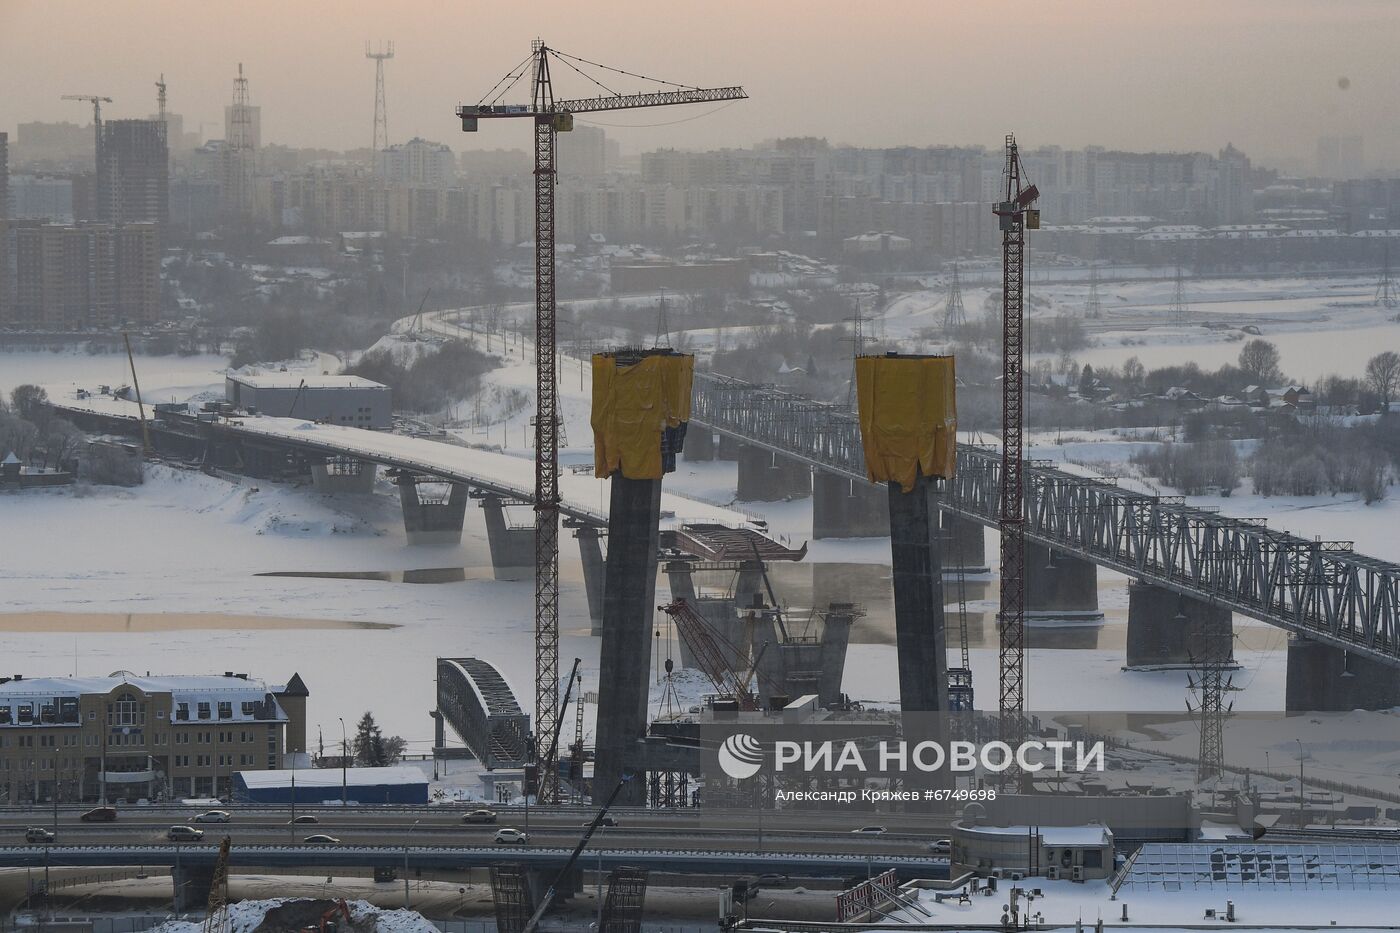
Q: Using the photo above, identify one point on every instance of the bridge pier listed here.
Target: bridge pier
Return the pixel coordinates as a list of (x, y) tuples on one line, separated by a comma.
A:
[(700, 445), (590, 548), (846, 508), (431, 521), (512, 548), (728, 448), (192, 885), (1060, 588), (624, 661), (765, 476), (719, 611), (1326, 679), (1166, 629), (343, 476)]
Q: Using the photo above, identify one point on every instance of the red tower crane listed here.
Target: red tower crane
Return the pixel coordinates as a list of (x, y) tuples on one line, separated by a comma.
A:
[(552, 116), (1015, 215)]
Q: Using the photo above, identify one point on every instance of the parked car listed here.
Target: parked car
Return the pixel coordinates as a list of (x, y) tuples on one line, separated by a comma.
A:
[(184, 834), (508, 836), (479, 816), (214, 816), (321, 839), (304, 818), (871, 830), (99, 815), (38, 834)]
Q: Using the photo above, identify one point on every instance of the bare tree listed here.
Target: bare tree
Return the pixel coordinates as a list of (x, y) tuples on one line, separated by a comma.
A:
[(1383, 376), (1259, 361)]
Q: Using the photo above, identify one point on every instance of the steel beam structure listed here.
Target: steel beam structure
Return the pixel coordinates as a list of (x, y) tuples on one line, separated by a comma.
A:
[(1321, 589)]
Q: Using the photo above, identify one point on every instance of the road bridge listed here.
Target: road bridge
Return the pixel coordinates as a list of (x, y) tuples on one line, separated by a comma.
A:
[(1344, 607)]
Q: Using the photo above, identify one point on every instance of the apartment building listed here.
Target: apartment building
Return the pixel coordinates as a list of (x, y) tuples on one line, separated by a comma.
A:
[(123, 737), (77, 276)]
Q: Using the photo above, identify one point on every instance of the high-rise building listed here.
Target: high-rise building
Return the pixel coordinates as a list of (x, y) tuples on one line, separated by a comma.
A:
[(4, 175), (4, 226), (133, 179), (76, 276), (418, 162)]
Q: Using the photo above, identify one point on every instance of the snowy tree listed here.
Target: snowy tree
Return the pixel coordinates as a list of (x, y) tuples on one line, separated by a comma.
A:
[(1259, 361), (1383, 376), (368, 744)]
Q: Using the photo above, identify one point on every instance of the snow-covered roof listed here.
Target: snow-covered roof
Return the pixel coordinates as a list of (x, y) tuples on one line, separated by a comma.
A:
[(10, 458), (1090, 835), (331, 777), (192, 689), (295, 380)]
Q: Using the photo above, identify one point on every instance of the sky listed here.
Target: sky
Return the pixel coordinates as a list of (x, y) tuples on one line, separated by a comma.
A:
[(1132, 74)]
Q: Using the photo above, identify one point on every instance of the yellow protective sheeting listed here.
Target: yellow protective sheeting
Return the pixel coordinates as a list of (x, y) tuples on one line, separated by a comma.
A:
[(908, 417), (631, 407)]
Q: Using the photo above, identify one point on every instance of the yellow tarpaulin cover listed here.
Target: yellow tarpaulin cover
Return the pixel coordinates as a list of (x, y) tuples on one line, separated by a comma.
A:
[(908, 417), (631, 406)]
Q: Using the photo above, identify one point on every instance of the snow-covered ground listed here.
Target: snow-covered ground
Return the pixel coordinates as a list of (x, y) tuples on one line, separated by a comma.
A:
[(247, 916)]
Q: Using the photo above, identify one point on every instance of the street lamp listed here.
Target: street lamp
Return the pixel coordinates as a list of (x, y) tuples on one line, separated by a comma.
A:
[(344, 759), (1302, 757), (411, 830)]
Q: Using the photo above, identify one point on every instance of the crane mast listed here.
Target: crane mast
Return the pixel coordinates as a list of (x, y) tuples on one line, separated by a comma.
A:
[(550, 117), (1014, 214)]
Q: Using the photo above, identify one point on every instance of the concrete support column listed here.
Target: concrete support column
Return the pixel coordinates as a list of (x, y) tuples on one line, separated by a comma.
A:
[(344, 476), (728, 448), (434, 522), (1060, 588), (1323, 678), (836, 636), (512, 549), (964, 543), (1167, 629), (192, 886), (624, 663), (918, 598), (765, 476), (846, 508), (700, 445), (590, 549)]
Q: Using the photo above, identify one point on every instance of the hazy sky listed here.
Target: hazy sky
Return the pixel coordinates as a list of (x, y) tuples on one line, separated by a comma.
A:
[(1188, 74)]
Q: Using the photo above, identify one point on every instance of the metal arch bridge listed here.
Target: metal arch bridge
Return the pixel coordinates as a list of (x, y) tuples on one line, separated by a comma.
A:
[(481, 708), (1321, 589), (463, 857)]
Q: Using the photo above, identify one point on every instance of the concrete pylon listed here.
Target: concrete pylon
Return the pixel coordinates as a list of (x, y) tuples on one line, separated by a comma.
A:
[(590, 548), (624, 657), (700, 444), (964, 541), (1163, 627), (915, 563)]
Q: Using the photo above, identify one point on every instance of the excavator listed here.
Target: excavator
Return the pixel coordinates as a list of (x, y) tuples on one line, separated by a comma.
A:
[(329, 922)]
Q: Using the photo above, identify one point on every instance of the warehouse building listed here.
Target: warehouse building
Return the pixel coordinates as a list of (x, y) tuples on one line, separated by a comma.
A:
[(351, 401)]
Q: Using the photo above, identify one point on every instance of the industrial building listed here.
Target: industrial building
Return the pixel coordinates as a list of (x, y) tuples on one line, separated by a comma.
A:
[(352, 401), (399, 784), (126, 737)]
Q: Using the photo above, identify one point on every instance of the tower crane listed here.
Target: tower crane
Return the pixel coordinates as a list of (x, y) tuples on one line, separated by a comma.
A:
[(1014, 215), (97, 103), (551, 116)]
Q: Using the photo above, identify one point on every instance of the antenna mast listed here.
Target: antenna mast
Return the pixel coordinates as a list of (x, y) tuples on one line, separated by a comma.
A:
[(381, 114)]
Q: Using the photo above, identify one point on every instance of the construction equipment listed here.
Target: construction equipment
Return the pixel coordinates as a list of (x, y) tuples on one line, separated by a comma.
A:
[(552, 751), (160, 98), (140, 405), (97, 102), (216, 918), (1015, 215), (328, 923), (719, 658), (550, 117)]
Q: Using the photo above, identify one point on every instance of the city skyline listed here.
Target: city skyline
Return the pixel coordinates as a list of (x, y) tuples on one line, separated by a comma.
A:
[(1265, 77)]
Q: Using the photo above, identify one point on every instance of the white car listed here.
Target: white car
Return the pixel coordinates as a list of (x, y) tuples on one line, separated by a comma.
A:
[(214, 816), (510, 836), (870, 830), (941, 847)]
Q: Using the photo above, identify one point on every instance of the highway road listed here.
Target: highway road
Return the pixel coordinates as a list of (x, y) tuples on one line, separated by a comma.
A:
[(698, 830)]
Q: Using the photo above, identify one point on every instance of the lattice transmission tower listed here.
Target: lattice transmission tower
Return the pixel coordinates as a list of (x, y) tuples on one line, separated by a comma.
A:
[(1180, 309), (1209, 683), (381, 114), (954, 315), (1092, 307), (1385, 289)]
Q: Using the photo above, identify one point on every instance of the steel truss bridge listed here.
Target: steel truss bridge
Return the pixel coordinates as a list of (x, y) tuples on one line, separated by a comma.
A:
[(1321, 589)]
